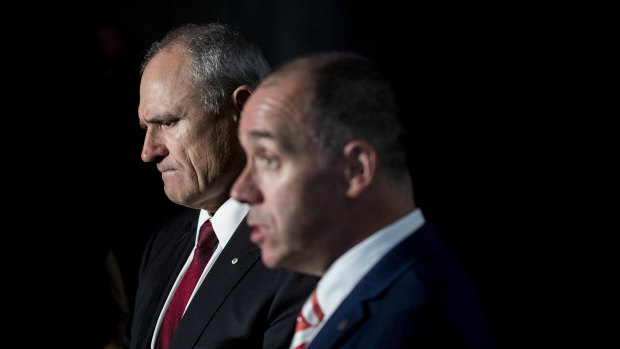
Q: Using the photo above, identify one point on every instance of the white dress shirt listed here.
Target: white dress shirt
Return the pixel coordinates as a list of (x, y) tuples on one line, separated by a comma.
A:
[(225, 221), (344, 274)]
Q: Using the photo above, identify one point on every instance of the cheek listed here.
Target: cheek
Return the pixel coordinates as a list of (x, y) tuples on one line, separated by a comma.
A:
[(211, 149), (191, 149), (177, 142), (285, 212), (294, 198), (291, 216)]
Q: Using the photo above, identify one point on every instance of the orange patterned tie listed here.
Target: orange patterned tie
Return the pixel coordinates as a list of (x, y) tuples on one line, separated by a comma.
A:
[(309, 317)]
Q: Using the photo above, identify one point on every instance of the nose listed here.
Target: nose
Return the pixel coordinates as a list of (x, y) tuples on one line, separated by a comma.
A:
[(245, 188), (153, 148)]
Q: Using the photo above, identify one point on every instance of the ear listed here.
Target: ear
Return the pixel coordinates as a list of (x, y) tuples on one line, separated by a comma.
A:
[(360, 163), (239, 97)]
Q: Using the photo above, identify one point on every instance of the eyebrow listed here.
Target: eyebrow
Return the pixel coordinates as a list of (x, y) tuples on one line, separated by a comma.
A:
[(157, 119), (285, 144), (261, 134)]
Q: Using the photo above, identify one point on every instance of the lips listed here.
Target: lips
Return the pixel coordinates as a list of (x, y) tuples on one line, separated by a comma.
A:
[(256, 236), (168, 175), (164, 168), (256, 221), (167, 171)]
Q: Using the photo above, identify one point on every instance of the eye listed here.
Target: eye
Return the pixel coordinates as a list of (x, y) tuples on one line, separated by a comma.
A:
[(268, 161), (169, 123)]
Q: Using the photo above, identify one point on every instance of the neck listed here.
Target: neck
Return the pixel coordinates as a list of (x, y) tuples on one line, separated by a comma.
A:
[(380, 207), (213, 206)]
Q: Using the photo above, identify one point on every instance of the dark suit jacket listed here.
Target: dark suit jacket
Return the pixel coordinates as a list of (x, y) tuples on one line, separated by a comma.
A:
[(417, 296), (241, 305)]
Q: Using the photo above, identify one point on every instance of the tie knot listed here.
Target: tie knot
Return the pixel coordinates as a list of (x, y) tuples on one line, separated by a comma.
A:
[(206, 237)]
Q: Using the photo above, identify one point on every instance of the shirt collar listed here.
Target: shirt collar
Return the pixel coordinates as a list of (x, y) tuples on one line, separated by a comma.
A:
[(225, 220), (342, 276)]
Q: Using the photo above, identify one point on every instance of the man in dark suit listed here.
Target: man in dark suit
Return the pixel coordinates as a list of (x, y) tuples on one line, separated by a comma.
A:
[(201, 280), (328, 183)]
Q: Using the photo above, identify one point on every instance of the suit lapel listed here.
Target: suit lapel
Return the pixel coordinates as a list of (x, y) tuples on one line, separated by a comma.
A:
[(352, 310), (218, 284), (184, 246)]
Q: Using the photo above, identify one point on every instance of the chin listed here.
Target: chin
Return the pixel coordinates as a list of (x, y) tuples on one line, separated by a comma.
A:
[(178, 199), (269, 262), (271, 259), (181, 195)]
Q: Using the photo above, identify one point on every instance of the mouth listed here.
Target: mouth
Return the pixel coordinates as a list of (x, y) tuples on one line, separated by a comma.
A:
[(256, 236), (168, 175), (164, 169), (167, 171)]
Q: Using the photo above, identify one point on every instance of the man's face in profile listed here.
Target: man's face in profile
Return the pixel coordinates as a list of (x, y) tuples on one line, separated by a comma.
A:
[(192, 147), (293, 197)]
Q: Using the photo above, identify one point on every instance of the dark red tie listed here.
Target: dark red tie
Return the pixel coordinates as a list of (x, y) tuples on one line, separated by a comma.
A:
[(204, 249)]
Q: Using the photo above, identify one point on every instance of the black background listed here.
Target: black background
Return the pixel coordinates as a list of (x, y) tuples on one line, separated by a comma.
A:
[(470, 82)]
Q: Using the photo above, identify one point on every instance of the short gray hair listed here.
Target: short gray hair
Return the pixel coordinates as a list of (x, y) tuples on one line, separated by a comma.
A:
[(222, 57)]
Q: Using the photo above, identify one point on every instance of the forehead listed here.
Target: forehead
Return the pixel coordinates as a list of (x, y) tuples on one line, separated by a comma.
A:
[(165, 81), (170, 64), (278, 111)]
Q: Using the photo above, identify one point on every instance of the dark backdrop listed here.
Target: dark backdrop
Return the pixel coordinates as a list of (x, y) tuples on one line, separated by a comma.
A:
[(461, 74)]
